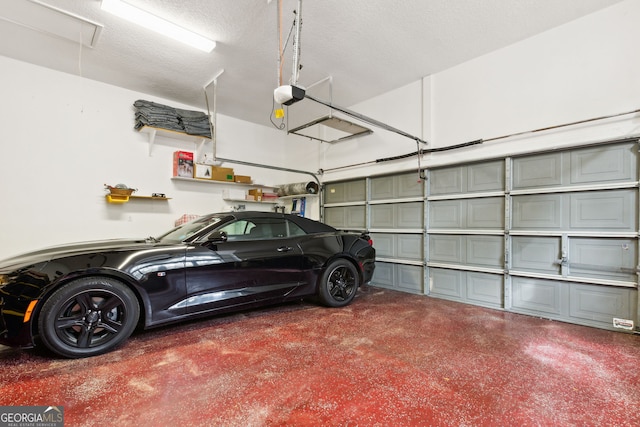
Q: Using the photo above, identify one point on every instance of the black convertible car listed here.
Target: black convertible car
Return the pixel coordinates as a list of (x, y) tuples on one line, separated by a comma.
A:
[(85, 299)]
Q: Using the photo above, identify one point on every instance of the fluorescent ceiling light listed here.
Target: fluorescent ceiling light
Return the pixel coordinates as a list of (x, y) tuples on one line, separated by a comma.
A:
[(157, 24)]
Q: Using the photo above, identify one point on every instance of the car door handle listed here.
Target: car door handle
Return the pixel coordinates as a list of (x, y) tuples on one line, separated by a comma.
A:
[(285, 249)]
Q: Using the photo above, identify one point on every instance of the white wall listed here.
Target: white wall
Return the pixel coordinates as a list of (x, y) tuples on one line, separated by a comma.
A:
[(587, 68), (63, 137)]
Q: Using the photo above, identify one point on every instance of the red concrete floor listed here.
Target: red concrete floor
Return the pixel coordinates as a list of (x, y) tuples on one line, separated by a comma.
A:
[(389, 359)]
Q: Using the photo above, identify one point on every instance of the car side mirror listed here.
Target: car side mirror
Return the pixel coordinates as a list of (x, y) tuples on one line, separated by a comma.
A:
[(217, 237)]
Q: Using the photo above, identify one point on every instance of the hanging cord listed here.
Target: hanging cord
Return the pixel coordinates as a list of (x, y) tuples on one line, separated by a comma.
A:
[(272, 114)]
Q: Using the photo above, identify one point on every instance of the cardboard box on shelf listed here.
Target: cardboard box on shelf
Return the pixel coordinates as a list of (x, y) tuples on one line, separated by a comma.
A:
[(183, 164), (202, 171), (245, 179), (256, 193), (222, 174)]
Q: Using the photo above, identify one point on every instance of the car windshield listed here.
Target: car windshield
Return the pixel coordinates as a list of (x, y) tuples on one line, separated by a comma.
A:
[(187, 230)]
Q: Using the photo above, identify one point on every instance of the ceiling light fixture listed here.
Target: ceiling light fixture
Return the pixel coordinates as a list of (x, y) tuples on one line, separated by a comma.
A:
[(157, 24)]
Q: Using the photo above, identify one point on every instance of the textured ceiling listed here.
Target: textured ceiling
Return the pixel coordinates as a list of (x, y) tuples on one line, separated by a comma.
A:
[(368, 47)]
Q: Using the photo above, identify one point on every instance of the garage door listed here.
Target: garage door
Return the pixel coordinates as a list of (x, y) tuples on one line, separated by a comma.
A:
[(574, 235), (551, 234), (466, 229)]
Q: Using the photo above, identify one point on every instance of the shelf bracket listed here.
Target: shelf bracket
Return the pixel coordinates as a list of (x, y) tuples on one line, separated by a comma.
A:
[(152, 139)]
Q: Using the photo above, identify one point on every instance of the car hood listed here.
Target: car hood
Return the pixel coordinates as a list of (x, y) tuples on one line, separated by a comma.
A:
[(70, 249)]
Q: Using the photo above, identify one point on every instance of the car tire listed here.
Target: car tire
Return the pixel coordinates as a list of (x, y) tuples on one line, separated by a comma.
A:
[(338, 284), (88, 316)]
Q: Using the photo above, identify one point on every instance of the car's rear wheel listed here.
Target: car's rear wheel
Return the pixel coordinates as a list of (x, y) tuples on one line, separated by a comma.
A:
[(338, 284), (88, 316)]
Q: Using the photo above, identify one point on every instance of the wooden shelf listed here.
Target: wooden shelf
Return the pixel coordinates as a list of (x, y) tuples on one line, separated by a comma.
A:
[(213, 181), (113, 198), (167, 133)]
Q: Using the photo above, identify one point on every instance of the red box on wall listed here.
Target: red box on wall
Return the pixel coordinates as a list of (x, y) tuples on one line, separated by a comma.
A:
[(183, 164)]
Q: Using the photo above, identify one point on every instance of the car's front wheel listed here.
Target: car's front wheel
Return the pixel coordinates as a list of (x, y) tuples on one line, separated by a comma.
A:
[(88, 316), (338, 284)]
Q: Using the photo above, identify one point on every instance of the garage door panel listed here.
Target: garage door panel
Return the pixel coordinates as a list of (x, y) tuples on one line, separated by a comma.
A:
[(384, 244), (381, 188), (471, 250), (446, 214), (537, 171), (538, 296), (600, 303), (476, 288), (446, 283), (536, 254), (537, 212), (408, 185), (485, 251), (396, 186), (601, 164), (444, 248), (402, 246), (485, 213), (356, 191), (347, 191), (485, 289), (335, 192), (446, 181), (585, 304), (409, 215), (399, 215), (409, 278), (356, 217), (410, 246), (581, 166), (335, 217), (382, 216), (605, 258), (485, 177), (383, 275), (346, 217), (602, 210)]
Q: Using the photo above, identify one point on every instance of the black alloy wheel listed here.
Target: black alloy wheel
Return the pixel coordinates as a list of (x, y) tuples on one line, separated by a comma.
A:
[(87, 317), (338, 284)]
